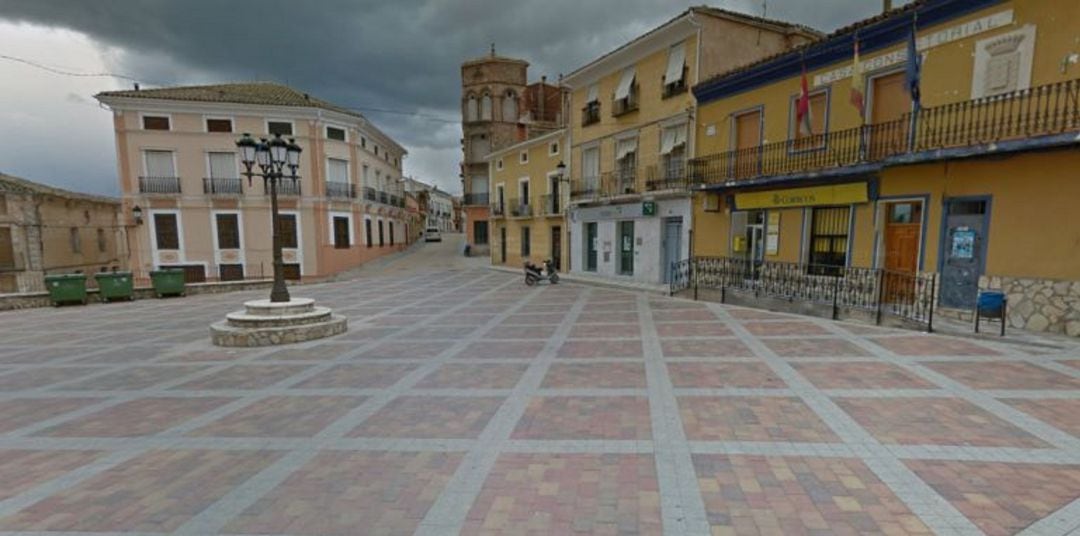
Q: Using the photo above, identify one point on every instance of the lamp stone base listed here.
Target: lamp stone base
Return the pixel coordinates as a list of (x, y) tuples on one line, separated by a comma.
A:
[(265, 323)]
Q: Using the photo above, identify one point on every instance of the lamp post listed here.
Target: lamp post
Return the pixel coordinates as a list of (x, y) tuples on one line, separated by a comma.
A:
[(274, 158)]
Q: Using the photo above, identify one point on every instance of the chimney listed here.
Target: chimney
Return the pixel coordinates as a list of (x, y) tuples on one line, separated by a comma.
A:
[(136, 86), (887, 5), (543, 97)]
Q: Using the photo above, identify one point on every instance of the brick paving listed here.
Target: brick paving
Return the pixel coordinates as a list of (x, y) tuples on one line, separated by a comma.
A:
[(468, 403)]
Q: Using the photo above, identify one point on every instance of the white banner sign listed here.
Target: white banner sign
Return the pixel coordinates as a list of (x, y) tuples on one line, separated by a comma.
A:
[(940, 37)]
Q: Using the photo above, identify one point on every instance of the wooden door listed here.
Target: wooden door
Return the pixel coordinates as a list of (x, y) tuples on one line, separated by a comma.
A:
[(889, 104), (903, 234), (747, 144)]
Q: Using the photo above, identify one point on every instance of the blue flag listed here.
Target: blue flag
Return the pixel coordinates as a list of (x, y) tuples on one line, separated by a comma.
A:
[(914, 66)]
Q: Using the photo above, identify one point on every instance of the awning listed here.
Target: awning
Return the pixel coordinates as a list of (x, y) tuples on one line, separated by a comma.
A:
[(676, 59), (593, 95), (672, 137), (623, 91), (625, 147)]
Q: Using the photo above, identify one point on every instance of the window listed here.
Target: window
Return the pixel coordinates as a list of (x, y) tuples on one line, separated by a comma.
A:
[(480, 233), (287, 230), (525, 245), (291, 271), (590, 168), (472, 110), (363, 142), (219, 125), (391, 233), (810, 133), (341, 232), (230, 272), (376, 148), (102, 241), (222, 165), (382, 241), (166, 231), (76, 240), (625, 94), (479, 147), (485, 107), (828, 240), (553, 148), (673, 152), (155, 122), (7, 248), (366, 175), (160, 164), (626, 163), (335, 133), (367, 232), (499, 164), (228, 231), (674, 76), (510, 107), (626, 247), (906, 212), (279, 127), (591, 112), (337, 170), (523, 157)]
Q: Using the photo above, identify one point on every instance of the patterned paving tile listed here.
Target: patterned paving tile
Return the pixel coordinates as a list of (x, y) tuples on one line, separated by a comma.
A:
[(430, 333), (349, 493), (467, 376), (684, 315), (814, 348), (155, 492), (135, 378), (310, 353), (935, 421), (281, 416), (595, 376), (1061, 414), (605, 331), (721, 375), (861, 375), (583, 417), (502, 349), (607, 317), (1071, 362), (1001, 498), (430, 417), (723, 418), (40, 377), (140, 417), (693, 329), (741, 313), (212, 355), (799, 496), (704, 348), (601, 348), (773, 329), (405, 350), (1005, 375), (464, 320), (533, 319), (16, 413), (568, 494), (21, 470), (358, 376), (923, 345), (522, 332), (243, 377), (41, 354)]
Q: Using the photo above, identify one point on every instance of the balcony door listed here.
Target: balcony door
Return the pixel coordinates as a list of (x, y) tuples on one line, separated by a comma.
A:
[(889, 102), (747, 143)]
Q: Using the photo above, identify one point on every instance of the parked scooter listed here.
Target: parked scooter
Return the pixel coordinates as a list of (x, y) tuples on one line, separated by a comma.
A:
[(534, 273)]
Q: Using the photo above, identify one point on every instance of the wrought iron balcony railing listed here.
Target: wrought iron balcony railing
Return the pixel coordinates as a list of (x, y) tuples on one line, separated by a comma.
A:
[(551, 205), (218, 186), (1038, 111), (627, 104), (159, 185), (521, 208), (608, 184), (341, 190), (369, 193), (287, 187), (670, 175), (477, 199), (590, 114), (498, 210)]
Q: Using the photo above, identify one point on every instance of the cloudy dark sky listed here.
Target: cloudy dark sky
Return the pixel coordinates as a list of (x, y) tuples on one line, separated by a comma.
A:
[(398, 55)]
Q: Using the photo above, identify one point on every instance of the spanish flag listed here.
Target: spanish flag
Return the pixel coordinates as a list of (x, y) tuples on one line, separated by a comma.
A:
[(857, 83)]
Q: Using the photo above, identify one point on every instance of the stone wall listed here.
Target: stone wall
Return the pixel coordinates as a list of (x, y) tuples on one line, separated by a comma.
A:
[(28, 300), (1039, 304)]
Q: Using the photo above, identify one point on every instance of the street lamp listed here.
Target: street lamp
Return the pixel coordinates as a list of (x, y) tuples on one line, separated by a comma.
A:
[(274, 158)]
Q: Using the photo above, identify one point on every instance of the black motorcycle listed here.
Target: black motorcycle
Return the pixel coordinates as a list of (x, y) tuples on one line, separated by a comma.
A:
[(534, 273)]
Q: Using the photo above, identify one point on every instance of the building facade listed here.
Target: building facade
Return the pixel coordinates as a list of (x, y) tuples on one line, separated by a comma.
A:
[(974, 186), (631, 132), (528, 204), (46, 230), (178, 163)]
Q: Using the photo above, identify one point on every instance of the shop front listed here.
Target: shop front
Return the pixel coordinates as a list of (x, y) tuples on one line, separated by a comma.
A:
[(632, 241)]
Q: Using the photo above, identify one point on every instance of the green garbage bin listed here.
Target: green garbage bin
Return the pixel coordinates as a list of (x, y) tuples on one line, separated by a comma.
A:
[(66, 288), (114, 285), (168, 282)]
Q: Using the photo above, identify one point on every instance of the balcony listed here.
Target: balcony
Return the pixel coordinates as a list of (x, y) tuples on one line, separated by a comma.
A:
[(340, 190), (625, 105), (590, 114), (159, 185), (607, 185), (520, 208), (369, 193), (551, 205), (284, 187), (383, 197), (675, 88), (216, 186), (478, 199), (498, 210), (1038, 111), (668, 176)]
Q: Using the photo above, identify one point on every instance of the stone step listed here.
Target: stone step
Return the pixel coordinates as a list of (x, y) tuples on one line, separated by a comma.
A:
[(224, 334), (245, 319), (268, 308)]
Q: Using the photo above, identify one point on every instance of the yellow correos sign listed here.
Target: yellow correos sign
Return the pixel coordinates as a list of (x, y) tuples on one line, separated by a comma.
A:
[(836, 194)]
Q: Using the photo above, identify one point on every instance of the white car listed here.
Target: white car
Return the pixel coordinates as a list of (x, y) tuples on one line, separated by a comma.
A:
[(432, 235)]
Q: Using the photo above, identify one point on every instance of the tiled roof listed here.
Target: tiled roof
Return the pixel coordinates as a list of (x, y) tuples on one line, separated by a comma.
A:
[(751, 19), (264, 93), (10, 183)]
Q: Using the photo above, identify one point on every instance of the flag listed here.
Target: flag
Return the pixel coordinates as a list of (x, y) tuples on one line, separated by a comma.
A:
[(857, 83), (802, 108), (912, 74)]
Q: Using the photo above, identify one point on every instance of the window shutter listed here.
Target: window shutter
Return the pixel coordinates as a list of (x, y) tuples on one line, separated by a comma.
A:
[(623, 90), (337, 170), (159, 164), (593, 95), (228, 231), (223, 166), (676, 59), (166, 231)]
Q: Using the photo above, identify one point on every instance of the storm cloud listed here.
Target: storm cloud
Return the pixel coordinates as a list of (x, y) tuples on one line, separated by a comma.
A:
[(400, 57)]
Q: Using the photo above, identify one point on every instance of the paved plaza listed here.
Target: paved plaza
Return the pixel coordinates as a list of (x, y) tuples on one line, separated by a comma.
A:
[(461, 401)]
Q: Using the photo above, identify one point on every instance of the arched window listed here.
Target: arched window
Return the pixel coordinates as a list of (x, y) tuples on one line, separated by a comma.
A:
[(471, 110), (485, 107), (510, 107)]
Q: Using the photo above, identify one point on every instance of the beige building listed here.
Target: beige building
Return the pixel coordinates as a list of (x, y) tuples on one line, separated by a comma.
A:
[(178, 164), (632, 120), (46, 230)]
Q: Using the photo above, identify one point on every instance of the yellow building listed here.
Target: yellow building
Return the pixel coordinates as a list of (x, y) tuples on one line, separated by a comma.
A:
[(976, 187), (630, 134), (528, 202)]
